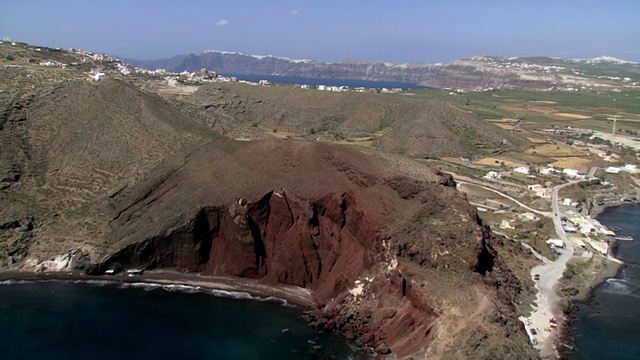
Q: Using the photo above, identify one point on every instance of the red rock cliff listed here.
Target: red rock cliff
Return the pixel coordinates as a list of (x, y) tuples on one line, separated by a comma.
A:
[(361, 235)]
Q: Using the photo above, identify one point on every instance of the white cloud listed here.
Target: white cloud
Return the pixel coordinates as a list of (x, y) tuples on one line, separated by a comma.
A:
[(223, 22), (294, 13)]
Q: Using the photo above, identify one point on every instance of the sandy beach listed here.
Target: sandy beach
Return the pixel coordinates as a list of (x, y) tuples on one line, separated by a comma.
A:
[(294, 295)]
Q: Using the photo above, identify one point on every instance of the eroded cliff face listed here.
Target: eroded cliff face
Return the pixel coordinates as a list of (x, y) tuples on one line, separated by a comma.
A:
[(392, 253), (329, 245)]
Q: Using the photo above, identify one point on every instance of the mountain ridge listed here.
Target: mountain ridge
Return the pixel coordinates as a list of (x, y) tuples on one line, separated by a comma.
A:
[(475, 73)]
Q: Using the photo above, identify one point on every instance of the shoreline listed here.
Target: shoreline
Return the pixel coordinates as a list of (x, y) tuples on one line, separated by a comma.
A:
[(611, 269), (293, 295), (599, 209), (247, 289)]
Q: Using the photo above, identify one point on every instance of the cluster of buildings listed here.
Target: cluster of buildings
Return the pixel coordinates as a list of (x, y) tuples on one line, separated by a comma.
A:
[(547, 170), (347, 88), (630, 168)]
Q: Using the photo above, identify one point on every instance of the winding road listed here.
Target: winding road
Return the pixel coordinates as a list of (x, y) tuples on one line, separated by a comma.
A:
[(549, 273)]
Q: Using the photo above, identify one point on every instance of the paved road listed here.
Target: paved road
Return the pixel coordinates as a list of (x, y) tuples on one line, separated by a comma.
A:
[(550, 273)]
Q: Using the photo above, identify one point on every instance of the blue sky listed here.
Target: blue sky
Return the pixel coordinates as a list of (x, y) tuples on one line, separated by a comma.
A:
[(397, 31)]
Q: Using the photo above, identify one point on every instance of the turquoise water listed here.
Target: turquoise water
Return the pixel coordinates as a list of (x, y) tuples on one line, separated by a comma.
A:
[(609, 327), (65, 320)]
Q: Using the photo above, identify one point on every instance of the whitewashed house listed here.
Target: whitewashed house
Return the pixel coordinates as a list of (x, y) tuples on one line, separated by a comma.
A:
[(632, 168), (573, 173), (492, 175)]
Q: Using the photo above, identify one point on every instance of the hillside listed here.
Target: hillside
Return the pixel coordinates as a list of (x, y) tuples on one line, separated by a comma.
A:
[(414, 127), (100, 175), (476, 73), (75, 147)]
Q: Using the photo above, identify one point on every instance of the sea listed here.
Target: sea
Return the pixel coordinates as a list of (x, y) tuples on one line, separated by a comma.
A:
[(608, 326), (369, 84), (104, 320)]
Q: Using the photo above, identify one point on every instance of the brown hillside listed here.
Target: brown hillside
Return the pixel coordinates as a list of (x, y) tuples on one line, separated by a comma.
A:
[(76, 146), (112, 177), (414, 127), (327, 218)]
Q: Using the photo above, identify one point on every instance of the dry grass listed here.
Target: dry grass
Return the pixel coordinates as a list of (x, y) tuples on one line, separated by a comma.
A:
[(555, 150), (505, 126), (503, 120), (361, 143), (491, 161), (546, 111), (578, 163), (178, 90), (282, 134), (525, 109), (536, 140), (568, 116), (520, 157)]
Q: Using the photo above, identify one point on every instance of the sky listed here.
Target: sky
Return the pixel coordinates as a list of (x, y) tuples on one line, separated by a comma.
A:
[(424, 31)]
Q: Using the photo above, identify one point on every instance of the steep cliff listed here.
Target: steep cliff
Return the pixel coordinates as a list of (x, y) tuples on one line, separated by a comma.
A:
[(377, 247), (478, 72)]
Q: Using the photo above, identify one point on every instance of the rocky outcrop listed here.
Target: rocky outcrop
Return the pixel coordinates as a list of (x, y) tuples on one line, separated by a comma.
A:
[(325, 244), (362, 271)]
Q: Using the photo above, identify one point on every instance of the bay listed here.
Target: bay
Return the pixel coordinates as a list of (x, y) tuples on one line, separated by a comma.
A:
[(62, 320), (369, 84)]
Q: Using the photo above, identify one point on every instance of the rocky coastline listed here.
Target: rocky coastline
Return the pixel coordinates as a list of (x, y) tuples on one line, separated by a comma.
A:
[(566, 340)]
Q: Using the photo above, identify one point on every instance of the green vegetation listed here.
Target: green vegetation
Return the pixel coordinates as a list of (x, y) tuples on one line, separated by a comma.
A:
[(536, 106)]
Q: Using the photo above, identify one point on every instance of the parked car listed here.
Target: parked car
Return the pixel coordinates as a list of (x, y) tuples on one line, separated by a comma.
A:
[(533, 331)]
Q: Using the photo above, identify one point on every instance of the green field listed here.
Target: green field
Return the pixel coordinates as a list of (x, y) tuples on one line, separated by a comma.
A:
[(543, 106)]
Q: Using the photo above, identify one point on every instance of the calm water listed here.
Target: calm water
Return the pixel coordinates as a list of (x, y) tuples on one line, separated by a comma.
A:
[(329, 82), (610, 329), (56, 320)]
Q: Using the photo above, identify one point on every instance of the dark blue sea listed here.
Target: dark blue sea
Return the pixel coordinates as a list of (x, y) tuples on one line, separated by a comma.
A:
[(67, 320), (609, 327), (329, 82)]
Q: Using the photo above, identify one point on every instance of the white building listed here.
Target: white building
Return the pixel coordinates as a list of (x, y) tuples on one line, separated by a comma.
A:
[(535, 187), (522, 170), (573, 173), (612, 170), (548, 170), (98, 76), (540, 190), (492, 175), (632, 168), (556, 243)]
